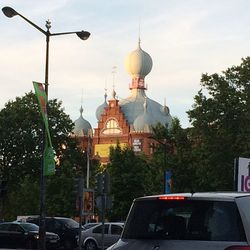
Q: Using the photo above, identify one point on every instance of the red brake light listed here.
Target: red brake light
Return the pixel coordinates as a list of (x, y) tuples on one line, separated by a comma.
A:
[(238, 248), (177, 198)]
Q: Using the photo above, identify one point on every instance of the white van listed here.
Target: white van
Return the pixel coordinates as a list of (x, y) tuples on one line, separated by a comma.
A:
[(188, 221)]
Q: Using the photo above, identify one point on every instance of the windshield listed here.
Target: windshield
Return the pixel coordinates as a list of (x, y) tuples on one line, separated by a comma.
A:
[(69, 223), (185, 219), (29, 227)]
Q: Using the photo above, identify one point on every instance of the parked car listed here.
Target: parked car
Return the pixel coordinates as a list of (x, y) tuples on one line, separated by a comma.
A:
[(92, 238), (89, 225), (66, 228), (190, 221), (24, 235)]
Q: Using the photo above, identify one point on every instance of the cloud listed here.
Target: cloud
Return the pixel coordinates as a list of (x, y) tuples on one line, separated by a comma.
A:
[(184, 39)]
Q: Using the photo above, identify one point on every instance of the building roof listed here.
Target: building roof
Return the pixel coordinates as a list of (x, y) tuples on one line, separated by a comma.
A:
[(140, 118)]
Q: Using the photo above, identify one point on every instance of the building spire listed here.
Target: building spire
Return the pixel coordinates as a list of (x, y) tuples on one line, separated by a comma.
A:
[(139, 34), (114, 72), (81, 110)]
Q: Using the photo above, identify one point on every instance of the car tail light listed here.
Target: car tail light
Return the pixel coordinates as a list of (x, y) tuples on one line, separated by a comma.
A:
[(172, 198), (238, 248)]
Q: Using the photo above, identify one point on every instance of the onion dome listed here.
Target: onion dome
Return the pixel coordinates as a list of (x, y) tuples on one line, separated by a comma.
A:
[(165, 108), (144, 122), (100, 109), (82, 126), (138, 63)]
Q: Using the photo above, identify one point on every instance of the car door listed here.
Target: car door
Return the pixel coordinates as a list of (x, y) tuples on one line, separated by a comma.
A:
[(115, 231), (4, 236), (17, 235), (97, 234)]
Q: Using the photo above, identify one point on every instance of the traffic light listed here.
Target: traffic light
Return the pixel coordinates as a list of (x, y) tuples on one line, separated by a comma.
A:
[(103, 183), (78, 186), (99, 183), (3, 188), (106, 182)]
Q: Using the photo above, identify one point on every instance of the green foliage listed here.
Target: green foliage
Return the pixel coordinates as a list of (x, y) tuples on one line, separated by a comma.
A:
[(220, 119), (172, 153), (21, 139), (129, 179)]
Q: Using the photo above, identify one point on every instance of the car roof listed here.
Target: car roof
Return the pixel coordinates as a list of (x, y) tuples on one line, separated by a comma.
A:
[(49, 217), (18, 223), (107, 223), (201, 195)]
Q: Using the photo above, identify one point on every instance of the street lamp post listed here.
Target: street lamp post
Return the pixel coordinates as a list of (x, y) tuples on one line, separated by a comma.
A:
[(164, 142), (83, 35)]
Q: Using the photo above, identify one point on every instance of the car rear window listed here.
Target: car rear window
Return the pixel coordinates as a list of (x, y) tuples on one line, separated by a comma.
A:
[(184, 220)]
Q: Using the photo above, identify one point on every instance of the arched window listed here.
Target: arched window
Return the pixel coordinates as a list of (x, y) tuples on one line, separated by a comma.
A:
[(111, 127)]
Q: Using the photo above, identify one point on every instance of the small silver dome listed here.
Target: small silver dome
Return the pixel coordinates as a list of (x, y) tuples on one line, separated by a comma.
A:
[(100, 109), (144, 122), (82, 126)]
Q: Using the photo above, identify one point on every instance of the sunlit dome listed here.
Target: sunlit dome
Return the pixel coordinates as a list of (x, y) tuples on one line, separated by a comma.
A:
[(138, 63)]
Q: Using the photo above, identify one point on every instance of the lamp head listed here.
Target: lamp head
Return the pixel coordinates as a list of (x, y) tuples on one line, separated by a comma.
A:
[(84, 35), (9, 12)]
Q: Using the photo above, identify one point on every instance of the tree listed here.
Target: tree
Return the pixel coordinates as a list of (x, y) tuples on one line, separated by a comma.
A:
[(172, 153), (21, 140), (129, 175), (220, 119)]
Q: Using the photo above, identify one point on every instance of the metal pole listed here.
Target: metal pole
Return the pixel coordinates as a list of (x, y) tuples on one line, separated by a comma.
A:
[(88, 149), (81, 205), (103, 214), (165, 165), (42, 224)]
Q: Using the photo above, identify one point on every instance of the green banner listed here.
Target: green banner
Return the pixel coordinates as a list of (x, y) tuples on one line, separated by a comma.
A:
[(49, 162)]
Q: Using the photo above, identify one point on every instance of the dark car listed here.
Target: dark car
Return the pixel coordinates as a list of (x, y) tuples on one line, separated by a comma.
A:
[(24, 235), (66, 228)]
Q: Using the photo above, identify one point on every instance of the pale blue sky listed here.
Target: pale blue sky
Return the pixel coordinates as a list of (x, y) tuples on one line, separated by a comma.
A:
[(185, 38)]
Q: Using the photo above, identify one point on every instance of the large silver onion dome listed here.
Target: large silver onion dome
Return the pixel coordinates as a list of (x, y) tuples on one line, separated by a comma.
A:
[(138, 63), (82, 126), (100, 109)]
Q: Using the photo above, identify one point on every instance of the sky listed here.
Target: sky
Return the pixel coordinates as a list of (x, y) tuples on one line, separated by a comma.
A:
[(185, 39)]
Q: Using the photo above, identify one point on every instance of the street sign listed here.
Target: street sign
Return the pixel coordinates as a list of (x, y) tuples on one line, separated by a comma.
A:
[(88, 201)]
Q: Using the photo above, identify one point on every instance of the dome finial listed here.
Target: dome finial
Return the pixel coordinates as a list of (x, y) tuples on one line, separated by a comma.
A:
[(105, 95), (113, 94), (114, 72), (139, 35), (81, 110), (165, 108)]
